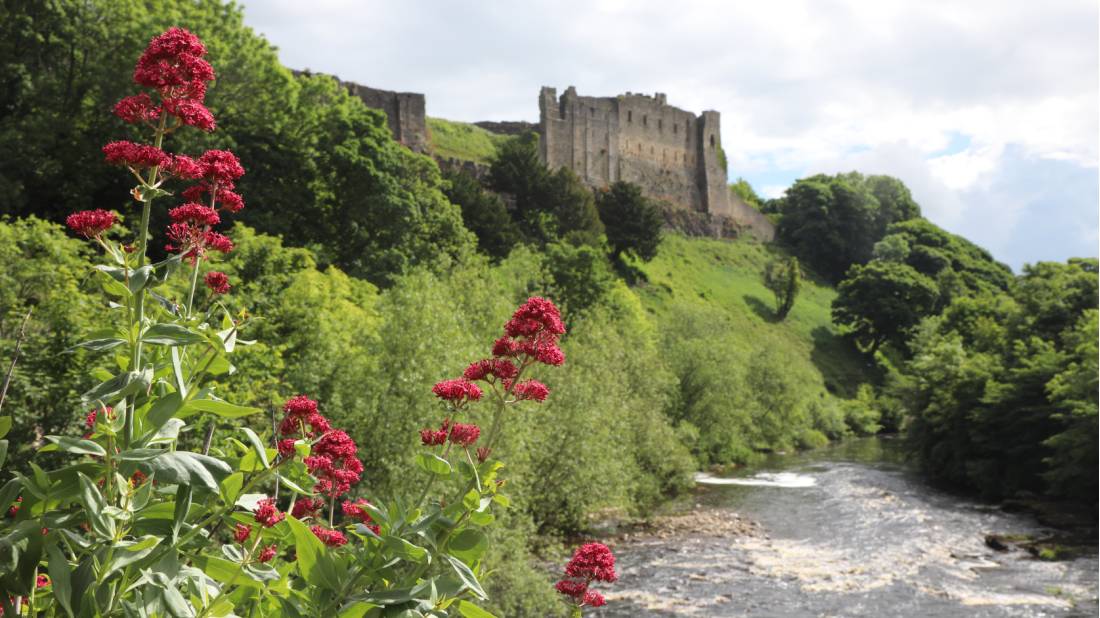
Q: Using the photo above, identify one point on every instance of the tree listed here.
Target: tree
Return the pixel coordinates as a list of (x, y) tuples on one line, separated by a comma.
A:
[(742, 189), (833, 222), (783, 278), (882, 301), (484, 214), (573, 207), (632, 221)]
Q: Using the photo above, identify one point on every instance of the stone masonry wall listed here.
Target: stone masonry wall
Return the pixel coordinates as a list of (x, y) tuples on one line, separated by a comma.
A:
[(671, 153), (405, 112)]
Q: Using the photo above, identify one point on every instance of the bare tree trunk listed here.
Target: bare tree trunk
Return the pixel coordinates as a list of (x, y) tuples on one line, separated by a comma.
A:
[(15, 356)]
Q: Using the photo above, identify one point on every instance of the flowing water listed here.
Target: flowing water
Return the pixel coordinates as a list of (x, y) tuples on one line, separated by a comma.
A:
[(850, 531)]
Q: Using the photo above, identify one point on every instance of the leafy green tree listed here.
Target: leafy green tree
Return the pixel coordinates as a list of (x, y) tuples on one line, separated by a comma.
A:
[(1000, 393), (633, 222), (881, 302), (579, 277), (783, 278), (483, 213), (742, 189), (833, 222), (574, 208)]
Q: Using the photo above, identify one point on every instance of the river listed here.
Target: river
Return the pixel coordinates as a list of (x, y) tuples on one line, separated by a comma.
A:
[(849, 530)]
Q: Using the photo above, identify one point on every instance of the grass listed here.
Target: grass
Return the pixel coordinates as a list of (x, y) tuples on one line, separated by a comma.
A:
[(466, 142), (728, 275)]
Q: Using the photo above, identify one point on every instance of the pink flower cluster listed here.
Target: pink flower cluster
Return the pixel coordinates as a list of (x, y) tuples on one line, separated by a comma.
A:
[(590, 562), (218, 282), (462, 434), (458, 392), (91, 223), (174, 67), (357, 510)]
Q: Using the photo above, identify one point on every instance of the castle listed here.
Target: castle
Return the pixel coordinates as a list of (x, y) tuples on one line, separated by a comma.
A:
[(675, 156)]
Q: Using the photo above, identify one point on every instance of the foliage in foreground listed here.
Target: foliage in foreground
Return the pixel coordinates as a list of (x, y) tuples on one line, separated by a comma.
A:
[(137, 521)]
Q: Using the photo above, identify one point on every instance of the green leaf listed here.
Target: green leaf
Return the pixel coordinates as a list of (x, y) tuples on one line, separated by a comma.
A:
[(433, 464), (119, 386), (60, 575), (171, 334), (310, 550), (468, 545), (139, 454), (502, 500), (187, 468), (358, 609), (405, 549), (94, 504), (183, 504), (469, 610), (231, 487), (3, 452), (467, 576), (257, 446), (223, 571), (97, 345), (216, 407), (163, 409), (5, 425), (471, 500), (77, 446)]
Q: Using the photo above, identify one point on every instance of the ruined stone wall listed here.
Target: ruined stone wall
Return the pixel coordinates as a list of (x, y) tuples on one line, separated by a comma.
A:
[(670, 153), (405, 112)]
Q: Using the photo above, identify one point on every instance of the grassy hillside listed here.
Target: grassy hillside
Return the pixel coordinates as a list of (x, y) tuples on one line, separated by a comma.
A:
[(726, 277), (459, 140)]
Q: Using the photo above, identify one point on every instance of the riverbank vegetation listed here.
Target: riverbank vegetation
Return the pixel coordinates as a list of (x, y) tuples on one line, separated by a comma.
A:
[(371, 275)]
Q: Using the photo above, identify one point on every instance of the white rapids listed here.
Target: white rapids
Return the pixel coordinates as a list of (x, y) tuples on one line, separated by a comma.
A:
[(764, 479)]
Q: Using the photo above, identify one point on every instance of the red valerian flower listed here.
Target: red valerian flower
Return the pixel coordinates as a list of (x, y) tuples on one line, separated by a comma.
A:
[(91, 223), (355, 510), (191, 113), (506, 346), (535, 316), (306, 507), (457, 391), (218, 242), (332, 538), (592, 561), (196, 214), (13, 510), (500, 368), (230, 201), (220, 166), (173, 64), (287, 448), (218, 282), (464, 435), (137, 108), (183, 166), (593, 599), (572, 588), (483, 453), (430, 437), (267, 514), (334, 463), (137, 156), (41, 581), (302, 418), (137, 478), (267, 553), (241, 532), (531, 390)]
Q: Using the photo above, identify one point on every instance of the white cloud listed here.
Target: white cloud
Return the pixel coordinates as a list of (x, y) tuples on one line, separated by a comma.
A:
[(803, 85)]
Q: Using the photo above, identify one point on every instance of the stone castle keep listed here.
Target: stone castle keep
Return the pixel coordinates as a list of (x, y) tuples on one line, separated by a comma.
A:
[(674, 155)]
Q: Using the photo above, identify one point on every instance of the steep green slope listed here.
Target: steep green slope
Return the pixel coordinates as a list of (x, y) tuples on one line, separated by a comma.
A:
[(463, 141), (726, 276)]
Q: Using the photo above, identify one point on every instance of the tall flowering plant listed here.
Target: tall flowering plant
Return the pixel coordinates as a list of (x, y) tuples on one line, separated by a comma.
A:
[(270, 523)]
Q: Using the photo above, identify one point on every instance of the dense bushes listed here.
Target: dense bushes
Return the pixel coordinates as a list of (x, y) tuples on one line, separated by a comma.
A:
[(1001, 390)]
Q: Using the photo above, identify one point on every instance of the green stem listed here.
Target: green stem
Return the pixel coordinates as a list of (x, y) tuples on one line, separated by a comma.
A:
[(194, 284)]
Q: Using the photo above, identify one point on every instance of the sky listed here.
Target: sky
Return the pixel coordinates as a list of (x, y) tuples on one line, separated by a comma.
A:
[(987, 110)]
